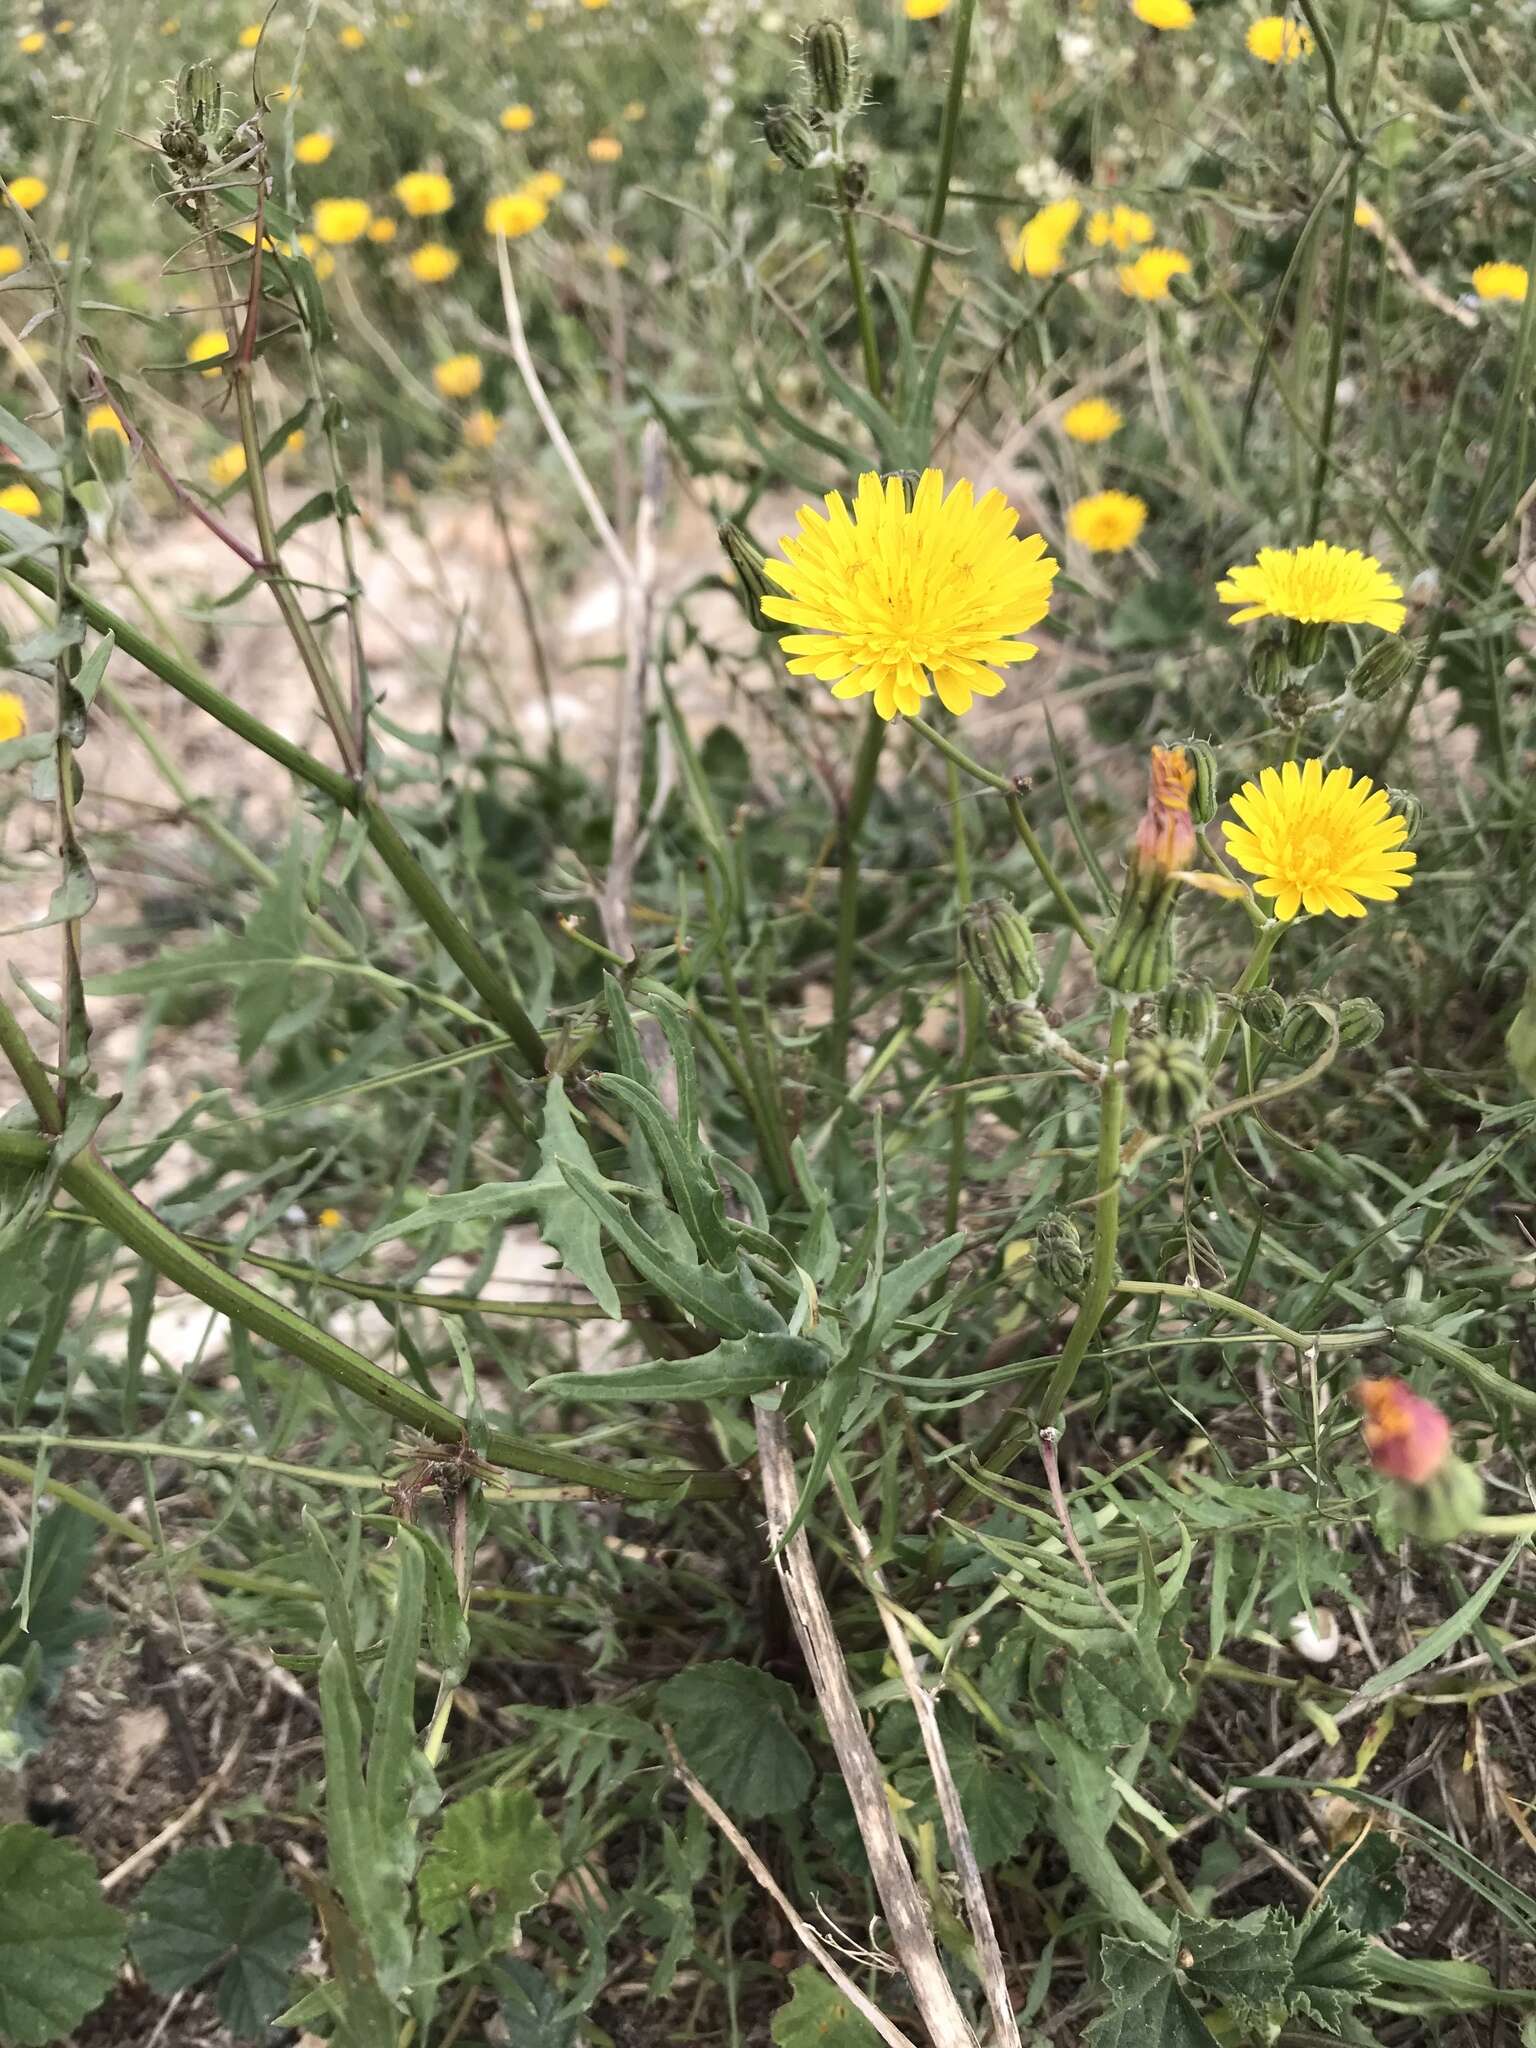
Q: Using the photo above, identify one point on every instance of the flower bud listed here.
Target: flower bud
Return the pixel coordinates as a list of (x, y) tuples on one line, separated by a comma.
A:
[(1018, 1027), (1187, 1009), (1137, 958), (1446, 1506), (1203, 801), (999, 949), (1306, 1032), (1390, 662), (750, 564), (830, 67), (1263, 1010), (1360, 1021), (791, 137), (1268, 665), (1165, 1083), (1059, 1255), (1408, 807), (1307, 642), (1408, 1437)]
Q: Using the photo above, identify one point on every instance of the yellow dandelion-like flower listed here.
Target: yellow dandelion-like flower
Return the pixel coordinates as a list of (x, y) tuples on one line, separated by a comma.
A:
[(925, 10), (228, 466), (1151, 274), (340, 221), (12, 259), (1368, 218), (294, 445), (1319, 842), (458, 376), (544, 186), (616, 256), (383, 229), (594, 6), (1107, 522), (171, 25), (211, 342), (891, 595), (249, 36), (1121, 228), (1044, 236), (64, 28), (33, 41), (1091, 419), (433, 263), (315, 147), (634, 110), (605, 149), (103, 419), (480, 428), (351, 37), (1274, 40), (329, 1219), (1320, 584), (1164, 14), (21, 500), (517, 119), (515, 213), (13, 716), (422, 193), (1489, 280), (280, 95), (28, 193), (321, 260)]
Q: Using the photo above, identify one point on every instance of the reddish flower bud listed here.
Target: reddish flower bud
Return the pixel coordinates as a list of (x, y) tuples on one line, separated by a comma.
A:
[(1408, 1437), (1165, 838)]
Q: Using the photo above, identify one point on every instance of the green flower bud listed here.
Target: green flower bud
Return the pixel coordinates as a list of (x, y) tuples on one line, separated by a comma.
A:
[(1409, 809), (1018, 1027), (791, 137), (1203, 801), (1165, 1083), (750, 564), (1445, 1506), (1268, 665), (1262, 1010), (1187, 1009), (1306, 1032), (1360, 1021), (1137, 958), (830, 67), (1059, 1255), (1390, 662), (1307, 642), (999, 949)]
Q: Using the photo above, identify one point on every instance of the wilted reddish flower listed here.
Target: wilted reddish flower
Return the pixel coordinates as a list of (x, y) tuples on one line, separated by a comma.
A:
[(1165, 838), (1408, 1437)]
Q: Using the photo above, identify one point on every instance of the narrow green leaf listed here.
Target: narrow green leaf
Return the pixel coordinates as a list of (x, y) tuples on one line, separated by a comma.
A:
[(741, 1365), (1444, 1637)]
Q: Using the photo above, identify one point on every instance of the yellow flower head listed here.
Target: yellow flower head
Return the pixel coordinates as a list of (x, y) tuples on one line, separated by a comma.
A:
[(13, 716), (925, 10), (315, 147), (545, 185), (228, 466), (211, 342), (634, 110), (1151, 274), (1164, 14), (515, 213), (1319, 842), (1107, 522), (1489, 280), (294, 445), (1091, 419), (458, 376), (351, 37), (329, 1219), (1368, 218), (249, 36), (12, 259), (424, 192), (28, 193), (33, 41), (605, 149), (889, 595), (103, 419), (616, 256), (21, 500), (1165, 838), (280, 95), (382, 229), (1274, 40), (594, 6), (480, 428), (518, 119), (340, 221), (432, 263), (1122, 228), (1318, 585), (1043, 238)]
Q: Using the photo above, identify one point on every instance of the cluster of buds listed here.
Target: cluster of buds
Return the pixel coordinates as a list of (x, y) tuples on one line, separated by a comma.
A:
[(812, 133), (1283, 657), (1137, 958), (201, 135), (1436, 1495), (1165, 1083), (1307, 1027)]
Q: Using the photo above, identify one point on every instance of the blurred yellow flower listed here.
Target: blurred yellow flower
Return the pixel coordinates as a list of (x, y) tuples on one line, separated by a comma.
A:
[(616, 256), (24, 502), (28, 193), (458, 376), (170, 25), (1121, 228), (32, 42), (1319, 842), (228, 466), (315, 147), (605, 149), (1091, 419), (1164, 14), (340, 221), (211, 342), (634, 110), (1368, 218), (925, 10), (517, 119), (1320, 584), (592, 6), (545, 185), (12, 259), (424, 192), (1151, 274), (383, 229), (61, 252), (1043, 238), (1107, 522), (103, 419), (329, 1219), (249, 36), (1489, 280), (281, 94), (294, 445), (351, 37), (64, 28), (13, 716), (321, 260), (515, 213), (480, 428), (433, 263), (1274, 40)]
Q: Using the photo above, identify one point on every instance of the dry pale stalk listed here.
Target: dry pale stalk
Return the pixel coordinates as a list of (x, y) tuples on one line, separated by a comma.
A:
[(906, 1912)]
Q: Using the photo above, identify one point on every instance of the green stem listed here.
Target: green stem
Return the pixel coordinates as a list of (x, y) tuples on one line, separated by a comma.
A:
[(949, 133), (969, 1009), (1258, 960), (867, 341), (1335, 351), (851, 825)]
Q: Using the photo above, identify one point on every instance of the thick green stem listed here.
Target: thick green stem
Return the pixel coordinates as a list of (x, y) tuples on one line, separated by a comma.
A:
[(867, 341), (852, 824), (949, 134)]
